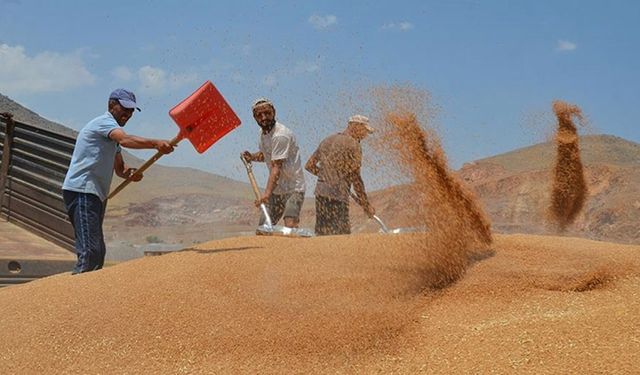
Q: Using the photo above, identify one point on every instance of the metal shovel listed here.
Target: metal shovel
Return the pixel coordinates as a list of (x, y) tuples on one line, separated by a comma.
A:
[(383, 227), (268, 228)]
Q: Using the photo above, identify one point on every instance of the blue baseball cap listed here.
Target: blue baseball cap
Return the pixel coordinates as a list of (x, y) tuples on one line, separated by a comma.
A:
[(125, 97)]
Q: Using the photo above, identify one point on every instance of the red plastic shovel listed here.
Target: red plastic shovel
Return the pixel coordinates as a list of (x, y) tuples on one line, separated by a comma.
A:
[(203, 118)]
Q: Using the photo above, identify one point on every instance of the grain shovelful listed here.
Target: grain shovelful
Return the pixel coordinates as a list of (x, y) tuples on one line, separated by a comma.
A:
[(569, 190), (410, 144)]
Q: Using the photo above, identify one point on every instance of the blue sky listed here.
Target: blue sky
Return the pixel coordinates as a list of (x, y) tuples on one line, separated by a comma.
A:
[(492, 67)]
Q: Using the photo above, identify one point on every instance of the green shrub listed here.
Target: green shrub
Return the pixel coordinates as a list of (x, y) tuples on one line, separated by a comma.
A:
[(154, 239)]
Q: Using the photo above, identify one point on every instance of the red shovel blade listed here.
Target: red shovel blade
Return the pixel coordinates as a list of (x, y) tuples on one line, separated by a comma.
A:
[(204, 117)]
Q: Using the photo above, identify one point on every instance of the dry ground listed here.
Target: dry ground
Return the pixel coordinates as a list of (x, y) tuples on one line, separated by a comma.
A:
[(344, 304)]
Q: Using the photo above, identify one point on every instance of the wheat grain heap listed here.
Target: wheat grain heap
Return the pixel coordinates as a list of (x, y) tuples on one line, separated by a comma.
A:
[(356, 303)]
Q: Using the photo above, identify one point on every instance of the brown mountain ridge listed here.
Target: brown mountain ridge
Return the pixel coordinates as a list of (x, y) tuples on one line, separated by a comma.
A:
[(515, 188)]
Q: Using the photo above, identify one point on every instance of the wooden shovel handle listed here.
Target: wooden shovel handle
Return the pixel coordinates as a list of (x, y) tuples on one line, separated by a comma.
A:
[(143, 167), (252, 178), (256, 191), (358, 201)]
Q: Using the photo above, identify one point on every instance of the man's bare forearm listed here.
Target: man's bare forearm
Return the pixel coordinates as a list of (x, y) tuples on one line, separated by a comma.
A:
[(274, 176), (358, 187), (135, 142)]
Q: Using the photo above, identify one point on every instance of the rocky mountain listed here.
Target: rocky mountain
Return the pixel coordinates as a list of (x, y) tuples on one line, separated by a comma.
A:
[(515, 189)]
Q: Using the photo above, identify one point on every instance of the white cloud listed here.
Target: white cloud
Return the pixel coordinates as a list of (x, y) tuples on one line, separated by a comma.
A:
[(156, 80), (44, 72), (322, 22), (405, 26), (398, 26), (122, 73), (565, 45)]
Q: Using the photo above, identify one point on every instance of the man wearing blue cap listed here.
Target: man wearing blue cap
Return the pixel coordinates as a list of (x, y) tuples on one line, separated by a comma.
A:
[(97, 154)]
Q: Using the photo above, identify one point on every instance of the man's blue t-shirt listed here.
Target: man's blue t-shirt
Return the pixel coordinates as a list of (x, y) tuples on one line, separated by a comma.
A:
[(91, 167)]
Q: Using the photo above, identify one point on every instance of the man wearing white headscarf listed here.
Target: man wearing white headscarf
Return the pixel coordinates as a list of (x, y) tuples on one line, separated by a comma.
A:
[(284, 193)]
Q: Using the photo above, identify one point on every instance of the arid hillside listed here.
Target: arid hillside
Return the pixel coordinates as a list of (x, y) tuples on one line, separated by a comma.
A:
[(515, 188), (27, 116), (175, 208), (367, 303)]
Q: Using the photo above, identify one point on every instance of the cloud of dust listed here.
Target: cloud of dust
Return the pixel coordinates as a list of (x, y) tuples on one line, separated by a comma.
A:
[(450, 211)]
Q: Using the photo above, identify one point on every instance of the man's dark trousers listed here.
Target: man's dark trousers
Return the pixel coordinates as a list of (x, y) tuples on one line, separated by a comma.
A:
[(86, 212)]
